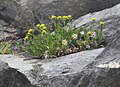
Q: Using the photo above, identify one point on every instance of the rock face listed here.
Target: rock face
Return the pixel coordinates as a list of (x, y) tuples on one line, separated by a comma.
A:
[(110, 16), (10, 77), (104, 70), (14, 13), (25, 13), (7, 33), (42, 73), (45, 8)]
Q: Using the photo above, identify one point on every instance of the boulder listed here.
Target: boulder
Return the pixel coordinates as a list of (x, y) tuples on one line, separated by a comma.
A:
[(51, 72), (3, 23), (104, 70), (16, 14), (110, 16), (26, 13), (43, 9), (10, 77), (9, 33)]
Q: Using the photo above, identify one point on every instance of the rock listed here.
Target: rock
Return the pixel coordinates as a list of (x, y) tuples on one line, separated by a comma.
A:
[(2, 22), (8, 33), (26, 13), (41, 73), (10, 77), (43, 9), (110, 16), (104, 70), (14, 13)]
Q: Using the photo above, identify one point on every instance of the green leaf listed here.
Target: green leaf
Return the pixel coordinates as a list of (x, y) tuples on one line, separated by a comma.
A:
[(79, 42)]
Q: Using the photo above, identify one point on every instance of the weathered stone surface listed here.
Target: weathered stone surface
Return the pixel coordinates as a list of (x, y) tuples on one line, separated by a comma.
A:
[(2, 22), (8, 33), (104, 71), (25, 13), (110, 16), (10, 77), (13, 12), (42, 73), (45, 8)]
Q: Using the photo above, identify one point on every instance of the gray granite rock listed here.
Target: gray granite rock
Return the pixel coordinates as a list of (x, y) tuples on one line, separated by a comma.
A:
[(41, 73), (3, 23), (43, 9), (104, 71), (14, 13), (10, 77), (8, 33)]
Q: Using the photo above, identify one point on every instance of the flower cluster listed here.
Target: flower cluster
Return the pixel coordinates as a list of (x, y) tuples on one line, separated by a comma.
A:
[(30, 31), (41, 27), (64, 42), (69, 17), (61, 41)]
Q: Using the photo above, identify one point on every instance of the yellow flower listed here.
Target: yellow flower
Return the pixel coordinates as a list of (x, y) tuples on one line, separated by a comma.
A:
[(26, 38), (65, 17), (64, 42), (74, 36), (53, 17), (30, 31), (69, 17), (89, 33), (38, 25), (42, 25), (43, 28), (44, 31), (47, 47), (59, 17), (93, 19), (102, 23)]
